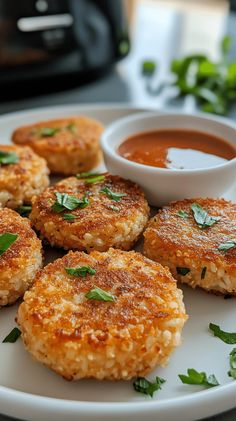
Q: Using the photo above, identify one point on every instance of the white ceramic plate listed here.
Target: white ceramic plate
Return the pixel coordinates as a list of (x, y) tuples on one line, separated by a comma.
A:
[(30, 391)]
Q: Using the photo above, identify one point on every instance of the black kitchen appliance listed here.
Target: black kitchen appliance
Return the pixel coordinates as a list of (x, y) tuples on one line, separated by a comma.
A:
[(53, 43)]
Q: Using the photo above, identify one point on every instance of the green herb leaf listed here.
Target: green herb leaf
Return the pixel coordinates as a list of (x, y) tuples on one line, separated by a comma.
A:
[(48, 131), (202, 218), (227, 245), (114, 208), (81, 271), (232, 363), (6, 240), (72, 128), (12, 336), (112, 195), (194, 377), (99, 295), (148, 67), (69, 217), (143, 385), (182, 214), (95, 179), (90, 177), (7, 158), (182, 271), (65, 201), (203, 273), (227, 337), (24, 210)]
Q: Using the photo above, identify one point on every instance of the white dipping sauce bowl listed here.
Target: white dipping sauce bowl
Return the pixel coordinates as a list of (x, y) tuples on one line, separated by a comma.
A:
[(163, 185)]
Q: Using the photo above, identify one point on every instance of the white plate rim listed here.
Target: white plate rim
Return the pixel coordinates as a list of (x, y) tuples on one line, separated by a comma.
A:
[(202, 403)]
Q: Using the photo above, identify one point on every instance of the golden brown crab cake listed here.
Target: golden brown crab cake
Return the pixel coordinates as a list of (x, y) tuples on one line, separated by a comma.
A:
[(69, 145), (109, 212), (66, 327), (199, 250), (20, 256), (23, 174)]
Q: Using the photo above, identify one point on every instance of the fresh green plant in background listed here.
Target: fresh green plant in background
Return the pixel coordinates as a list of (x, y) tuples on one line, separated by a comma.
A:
[(212, 84)]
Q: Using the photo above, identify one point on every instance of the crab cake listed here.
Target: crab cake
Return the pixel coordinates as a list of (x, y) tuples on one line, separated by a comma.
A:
[(108, 211), (69, 145), (112, 315), (196, 239), (20, 256), (23, 174)]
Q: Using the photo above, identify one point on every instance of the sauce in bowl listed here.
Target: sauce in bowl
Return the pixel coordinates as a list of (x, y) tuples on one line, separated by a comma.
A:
[(177, 149)]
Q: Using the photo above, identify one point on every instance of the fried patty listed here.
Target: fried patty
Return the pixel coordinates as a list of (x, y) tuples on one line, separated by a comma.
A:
[(20, 181), (69, 145), (21, 261), (103, 223), (193, 253), (80, 337)]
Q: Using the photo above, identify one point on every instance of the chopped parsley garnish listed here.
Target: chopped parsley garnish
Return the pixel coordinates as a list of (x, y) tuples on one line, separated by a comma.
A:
[(194, 377), (69, 217), (202, 218), (90, 177), (143, 385), (81, 271), (6, 240), (48, 131), (182, 271), (12, 336), (203, 273), (232, 364), (65, 201), (99, 295), (114, 208), (72, 128), (24, 210), (227, 337), (148, 67), (7, 158), (112, 195), (227, 245), (182, 214)]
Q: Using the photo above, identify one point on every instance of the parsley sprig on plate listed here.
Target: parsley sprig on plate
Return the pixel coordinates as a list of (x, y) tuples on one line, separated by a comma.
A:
[(199, 378), (12, 336), (227, 337), (146, 387)]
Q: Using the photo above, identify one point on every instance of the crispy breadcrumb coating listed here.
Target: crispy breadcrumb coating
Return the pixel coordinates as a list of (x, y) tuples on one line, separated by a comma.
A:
[(84, 338)]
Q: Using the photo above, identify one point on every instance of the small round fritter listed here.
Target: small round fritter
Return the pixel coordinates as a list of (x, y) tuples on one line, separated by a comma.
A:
[(111, 212), (196, 239), (21, 259), (23, 174), (69, 145), (65, 326)]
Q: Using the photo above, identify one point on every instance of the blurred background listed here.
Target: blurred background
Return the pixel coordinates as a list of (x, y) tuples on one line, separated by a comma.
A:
[(77, 51)]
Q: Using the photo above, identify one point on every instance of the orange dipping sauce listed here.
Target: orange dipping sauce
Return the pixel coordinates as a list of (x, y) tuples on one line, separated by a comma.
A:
[(177, 149)]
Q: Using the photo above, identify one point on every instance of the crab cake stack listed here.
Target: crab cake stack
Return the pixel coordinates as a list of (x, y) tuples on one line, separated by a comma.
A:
[(112, 315), (23, 174), (69, 145), (196, 239), (20, 256), (92, 212)]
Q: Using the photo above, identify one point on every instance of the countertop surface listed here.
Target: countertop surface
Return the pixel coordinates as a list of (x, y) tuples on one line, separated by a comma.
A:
[(125, 84)]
